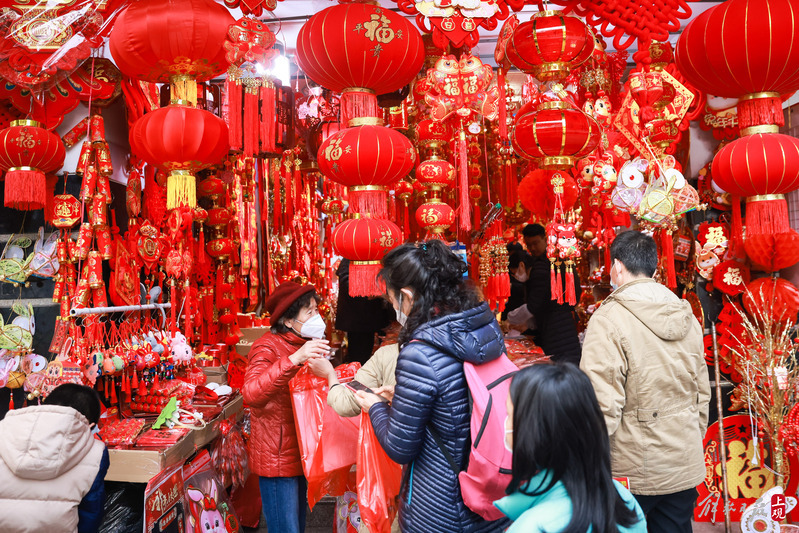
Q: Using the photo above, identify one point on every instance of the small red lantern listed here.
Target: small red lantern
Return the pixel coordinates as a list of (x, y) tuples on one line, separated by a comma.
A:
[(364, 241), (774, 297), (218, 217), (556, 134), (436, 217), (436, 174), (180, 140), (28, 153), (550, 45), (360, 50), (220, 248), (404, 190), (213, 188), (367, 159), (434, 132)]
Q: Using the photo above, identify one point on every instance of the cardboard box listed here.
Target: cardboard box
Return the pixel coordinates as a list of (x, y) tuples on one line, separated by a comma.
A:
[(215, 374), (139, 465)]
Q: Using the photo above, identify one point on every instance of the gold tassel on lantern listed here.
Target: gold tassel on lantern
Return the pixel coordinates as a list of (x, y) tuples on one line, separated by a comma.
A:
[(181, 189)]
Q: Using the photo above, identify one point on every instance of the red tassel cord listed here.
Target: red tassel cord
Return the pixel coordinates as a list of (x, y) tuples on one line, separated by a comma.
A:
[(667, 247), (275, 172), (464, 207), (234, 110), (268, 118), (737, 231), (251, 122), (373, 202), (760, 112), (554, 281), (363, 278), (358, 103), (570, 289), (502, 126), (768, 216)]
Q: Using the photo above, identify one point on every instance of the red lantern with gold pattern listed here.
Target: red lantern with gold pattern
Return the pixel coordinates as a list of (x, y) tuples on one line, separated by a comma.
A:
[(556, 134), (360, 50), (364, 241), (367, 159), (27, 153), (740, 49), (436, 217), (180, 140), (436, 174), (773, 297), (432, 131), (550, 45)]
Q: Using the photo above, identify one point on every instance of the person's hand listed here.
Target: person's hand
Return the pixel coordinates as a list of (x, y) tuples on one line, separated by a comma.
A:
[(366, 400), (311, 349), (321, 367), (386, 391)]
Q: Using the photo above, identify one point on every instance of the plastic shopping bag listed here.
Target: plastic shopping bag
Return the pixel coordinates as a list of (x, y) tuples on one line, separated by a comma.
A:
[(328, 442), (379, 480)]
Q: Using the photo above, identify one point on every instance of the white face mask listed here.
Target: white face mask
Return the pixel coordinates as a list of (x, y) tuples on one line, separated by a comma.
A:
[(313, 328), (505, 440), (522, 276), (401, 317)]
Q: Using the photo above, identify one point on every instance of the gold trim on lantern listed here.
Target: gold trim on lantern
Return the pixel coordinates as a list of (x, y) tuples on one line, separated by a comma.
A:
[(363, 263), (763, 128), (179, 172), (361, 188), (25, 122), (178, 101), (358, 90), (553, 104), (24, 169), (551, 71), (558, 162), (183, 87), (765, 198), (547, 13), (365, 121), (756, 96)]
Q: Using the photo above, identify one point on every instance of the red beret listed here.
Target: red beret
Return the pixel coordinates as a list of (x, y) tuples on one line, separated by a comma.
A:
[(284, 295)]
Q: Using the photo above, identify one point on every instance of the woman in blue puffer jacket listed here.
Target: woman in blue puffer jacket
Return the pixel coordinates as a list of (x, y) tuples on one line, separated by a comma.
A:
[(444, 324)]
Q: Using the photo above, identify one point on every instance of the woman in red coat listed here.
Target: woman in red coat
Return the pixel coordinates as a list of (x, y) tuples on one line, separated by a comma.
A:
[(296, 336)]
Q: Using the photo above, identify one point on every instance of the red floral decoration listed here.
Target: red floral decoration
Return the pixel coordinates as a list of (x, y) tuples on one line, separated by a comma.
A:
[(361, 50), (365, 241), (556, 134), (28, 153), (738, 49), (367, 159), (180, 140), (549, 45), (772, 296)]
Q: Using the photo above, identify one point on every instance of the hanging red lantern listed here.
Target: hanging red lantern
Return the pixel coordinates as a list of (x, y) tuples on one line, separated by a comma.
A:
[(177, 41), (772, 252), (28, 153), (364, 241), (180, 140), (537, 193), (436, 174), (436, 217), (367, 159), (760, 167), (360, 50), (739, 49), (433, 133), (550, 45), (773, 297), (556, 134)]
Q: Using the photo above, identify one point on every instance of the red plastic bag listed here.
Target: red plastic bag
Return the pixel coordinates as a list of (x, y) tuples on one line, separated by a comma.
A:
[(328, 442), (379, 480)]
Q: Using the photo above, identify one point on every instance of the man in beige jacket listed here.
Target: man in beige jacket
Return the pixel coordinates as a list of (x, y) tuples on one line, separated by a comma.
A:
[(643, 352)]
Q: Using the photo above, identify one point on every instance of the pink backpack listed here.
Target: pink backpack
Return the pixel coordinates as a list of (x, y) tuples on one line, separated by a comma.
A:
[(489, 471)]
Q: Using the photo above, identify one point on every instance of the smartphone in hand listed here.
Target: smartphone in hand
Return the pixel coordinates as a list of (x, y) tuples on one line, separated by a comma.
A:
[(356, 386)]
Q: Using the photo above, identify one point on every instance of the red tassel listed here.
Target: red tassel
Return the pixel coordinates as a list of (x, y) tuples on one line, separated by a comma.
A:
[(760, 112), (25, 190), (234, 111), (464, 207), (135, 380), (250, 123), (571, 295), (358, 103), (503, 112), (268, 118), (114, 398), (767, 216), (369, 201), (11, 401), (736, 239), (667, 246), (155, 381), (142, 389), (278, 203), (406, 223), (363, 278), (554, 282)]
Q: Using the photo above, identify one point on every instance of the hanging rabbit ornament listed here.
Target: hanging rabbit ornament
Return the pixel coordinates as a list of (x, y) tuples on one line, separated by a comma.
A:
[(630, 186), (562, 247)]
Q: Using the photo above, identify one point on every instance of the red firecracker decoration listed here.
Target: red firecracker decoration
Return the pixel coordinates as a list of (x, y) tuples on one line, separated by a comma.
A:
[(365, 241), (360, 50), (27, 153)]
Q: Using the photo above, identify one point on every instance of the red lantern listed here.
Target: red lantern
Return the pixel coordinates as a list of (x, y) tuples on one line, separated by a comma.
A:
[(432, 131), (181, 140), (761, 167), (156, 40), (367, 159), (28, 153), (365, 241), (537, 193), (220, 249), (740, 49), (773, 297), (436, 174), (213, 188), (555, 133), (773, 251), (360, 50), (436, 217), (550, 45)]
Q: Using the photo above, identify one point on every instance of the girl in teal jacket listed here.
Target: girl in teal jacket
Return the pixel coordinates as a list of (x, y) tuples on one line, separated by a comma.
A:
[(561, 481)]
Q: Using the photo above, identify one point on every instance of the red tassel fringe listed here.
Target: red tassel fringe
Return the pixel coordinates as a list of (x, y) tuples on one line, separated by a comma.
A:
[(363, 279), (554, 283), (25, 190), (767, 217), (464, 209), (503, 112), (760, 112), (736, 242), (569, 289), (358, 104), (371, 202), (667, 246), (251, 129), (234, 111), (268, 119)]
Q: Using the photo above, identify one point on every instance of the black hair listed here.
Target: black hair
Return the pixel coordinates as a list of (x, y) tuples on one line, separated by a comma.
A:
[(520, 257), (293, 311), (514, 247), (636, 251), (534, 230), (558, 426), (435, 275), (81, 398)]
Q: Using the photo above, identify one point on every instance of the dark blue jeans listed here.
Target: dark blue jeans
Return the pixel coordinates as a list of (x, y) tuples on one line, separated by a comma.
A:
[(284, 500)]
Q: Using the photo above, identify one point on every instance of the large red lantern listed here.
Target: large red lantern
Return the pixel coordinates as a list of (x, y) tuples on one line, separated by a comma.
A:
[(178, 41), (760, 167), (772, 297), (436, 217), (180, 140), (740, 49), (772, 252), (360, 50), (27, 153), (550, 45), (367, 159), (556, 134), (364, 241)]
